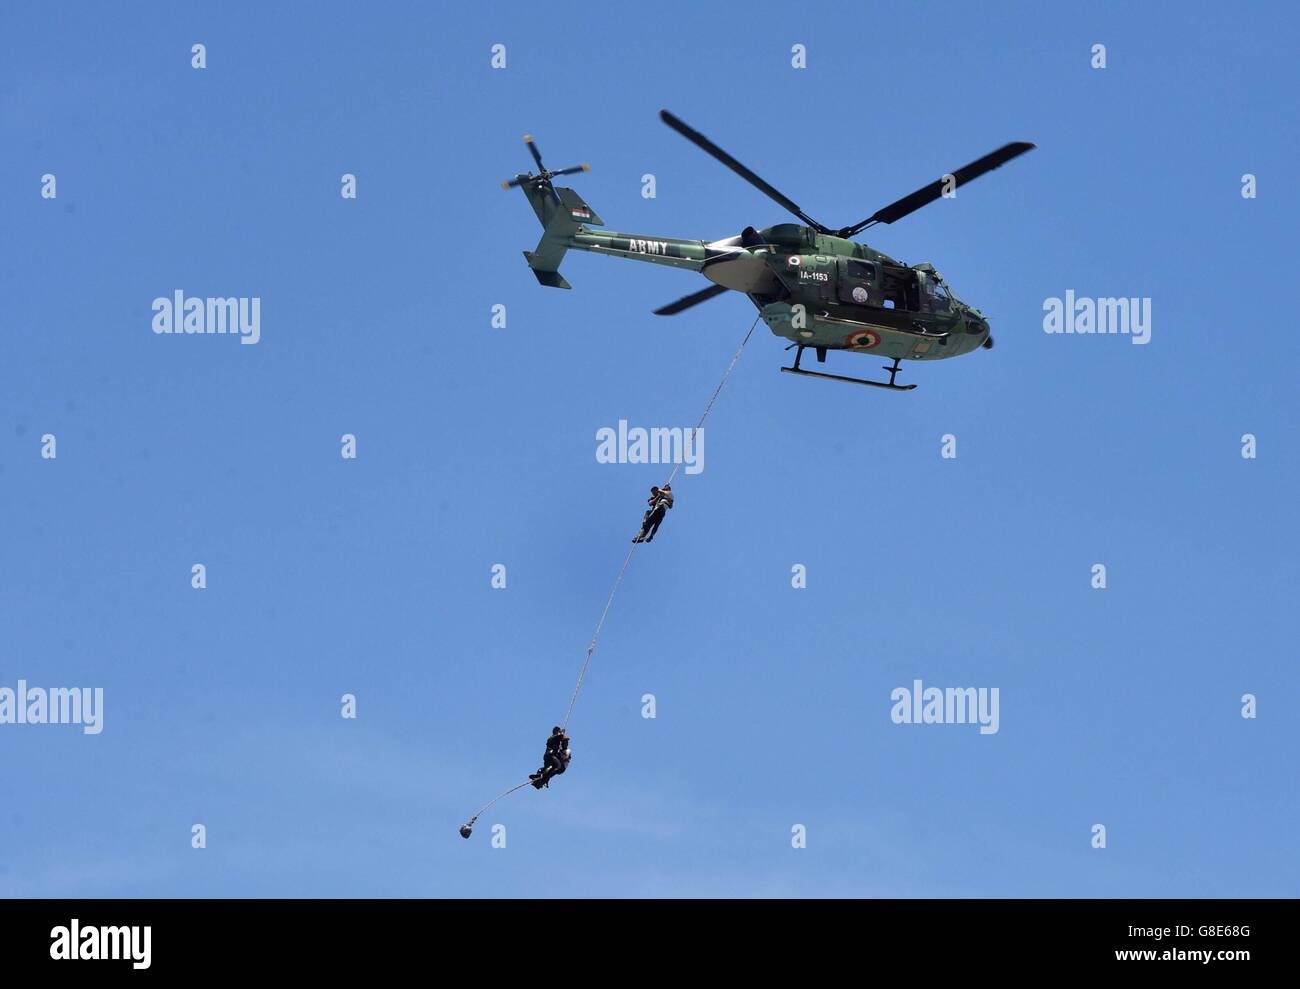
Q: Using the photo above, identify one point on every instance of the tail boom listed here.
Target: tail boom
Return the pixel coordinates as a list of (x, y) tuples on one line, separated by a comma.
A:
[(566, 224)]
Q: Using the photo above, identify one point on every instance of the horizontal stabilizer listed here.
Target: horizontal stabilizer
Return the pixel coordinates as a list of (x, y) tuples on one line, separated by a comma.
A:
[(546, 274)]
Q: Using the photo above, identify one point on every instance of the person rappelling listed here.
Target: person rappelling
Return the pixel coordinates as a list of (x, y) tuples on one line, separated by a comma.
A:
[(555, 759), (660, 500), (557, 756)]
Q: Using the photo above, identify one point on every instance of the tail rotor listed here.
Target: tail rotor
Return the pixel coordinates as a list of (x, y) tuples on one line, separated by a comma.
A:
[(542, 180)]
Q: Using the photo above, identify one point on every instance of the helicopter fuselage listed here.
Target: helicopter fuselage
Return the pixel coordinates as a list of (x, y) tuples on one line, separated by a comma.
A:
[(818, 290), (812, 285)]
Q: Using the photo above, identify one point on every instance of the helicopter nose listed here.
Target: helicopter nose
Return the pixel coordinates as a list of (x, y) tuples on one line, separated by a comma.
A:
[(976, 324)]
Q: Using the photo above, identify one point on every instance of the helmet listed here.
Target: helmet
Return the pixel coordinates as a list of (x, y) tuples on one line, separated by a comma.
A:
[(557, 730)]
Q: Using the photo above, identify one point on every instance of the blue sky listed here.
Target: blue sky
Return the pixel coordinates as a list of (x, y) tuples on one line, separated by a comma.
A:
[(476, 446)]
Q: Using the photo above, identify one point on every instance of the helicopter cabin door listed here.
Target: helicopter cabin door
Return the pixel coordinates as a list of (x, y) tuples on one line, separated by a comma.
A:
[(858, 282), (899, 288)]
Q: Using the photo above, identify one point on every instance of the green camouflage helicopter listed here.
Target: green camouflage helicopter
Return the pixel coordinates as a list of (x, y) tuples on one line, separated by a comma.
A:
[(811, 284)]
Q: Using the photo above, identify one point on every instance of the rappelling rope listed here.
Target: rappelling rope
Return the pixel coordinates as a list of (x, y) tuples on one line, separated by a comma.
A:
[(595, 637), (591, 648), (709, 408), (505, 793)]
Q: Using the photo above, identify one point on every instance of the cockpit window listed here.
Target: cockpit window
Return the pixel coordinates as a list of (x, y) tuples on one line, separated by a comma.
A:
[(934, 297)]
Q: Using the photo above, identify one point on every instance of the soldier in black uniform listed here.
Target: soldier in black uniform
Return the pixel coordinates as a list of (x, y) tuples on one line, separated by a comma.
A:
[(555, 759), (660, 500)]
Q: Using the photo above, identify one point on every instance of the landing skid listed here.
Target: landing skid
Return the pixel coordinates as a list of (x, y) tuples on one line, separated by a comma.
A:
[(821, 355)]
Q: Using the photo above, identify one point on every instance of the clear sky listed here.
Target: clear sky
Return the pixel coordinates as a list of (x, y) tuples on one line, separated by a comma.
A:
[(476, 446)]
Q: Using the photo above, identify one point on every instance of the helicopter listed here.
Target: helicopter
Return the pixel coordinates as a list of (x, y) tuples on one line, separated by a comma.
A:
[(812, 284)]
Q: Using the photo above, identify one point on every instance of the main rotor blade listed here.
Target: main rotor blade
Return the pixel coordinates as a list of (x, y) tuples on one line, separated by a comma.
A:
[(537, 155), (571, 171), (702, 142), (929, 193), (673, 308)]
